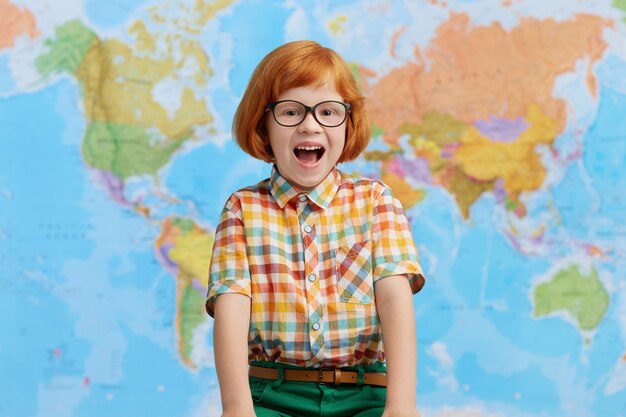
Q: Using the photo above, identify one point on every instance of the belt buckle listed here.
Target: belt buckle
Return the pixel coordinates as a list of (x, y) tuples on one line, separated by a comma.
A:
[(336, 376)]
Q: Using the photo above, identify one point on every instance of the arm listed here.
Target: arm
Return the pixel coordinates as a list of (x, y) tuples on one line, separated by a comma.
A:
[(394, 302), (230, 344)]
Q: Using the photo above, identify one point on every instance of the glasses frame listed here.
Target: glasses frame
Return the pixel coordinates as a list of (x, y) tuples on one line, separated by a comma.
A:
[(309, 109)]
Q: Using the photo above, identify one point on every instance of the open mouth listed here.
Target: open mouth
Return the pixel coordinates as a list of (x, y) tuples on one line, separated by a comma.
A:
[(309, 154)]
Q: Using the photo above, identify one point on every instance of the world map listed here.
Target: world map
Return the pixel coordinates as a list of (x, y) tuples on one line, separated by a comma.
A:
[(499, 124)]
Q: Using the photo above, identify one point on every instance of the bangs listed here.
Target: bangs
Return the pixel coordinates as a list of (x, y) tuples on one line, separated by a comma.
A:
[(313, 72)]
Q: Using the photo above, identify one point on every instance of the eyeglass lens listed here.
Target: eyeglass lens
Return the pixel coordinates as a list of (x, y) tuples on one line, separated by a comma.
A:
[(292, 113)]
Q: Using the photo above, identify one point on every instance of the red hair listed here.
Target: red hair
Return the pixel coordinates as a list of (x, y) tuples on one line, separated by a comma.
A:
[(298, 64)]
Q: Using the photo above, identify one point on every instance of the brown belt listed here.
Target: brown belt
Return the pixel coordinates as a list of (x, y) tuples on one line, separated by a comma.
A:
[(323, 376)]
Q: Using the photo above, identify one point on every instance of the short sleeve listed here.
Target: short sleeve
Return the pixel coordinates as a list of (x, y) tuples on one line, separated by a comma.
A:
[(228, 272), (394, 251)]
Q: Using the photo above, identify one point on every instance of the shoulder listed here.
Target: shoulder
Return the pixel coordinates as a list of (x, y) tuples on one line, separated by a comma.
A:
[(362, 185), (258, 189), (246, 195)]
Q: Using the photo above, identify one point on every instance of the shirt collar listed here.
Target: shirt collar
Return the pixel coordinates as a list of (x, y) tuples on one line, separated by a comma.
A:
[(321, 195)]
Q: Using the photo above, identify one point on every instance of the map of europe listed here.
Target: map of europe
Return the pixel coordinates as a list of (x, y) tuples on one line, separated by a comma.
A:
[(499, 124)]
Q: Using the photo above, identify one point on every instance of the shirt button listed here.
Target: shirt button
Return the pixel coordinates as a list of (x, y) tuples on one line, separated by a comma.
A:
[(303, 198), (316, 326), (307, 229), (312, 277)]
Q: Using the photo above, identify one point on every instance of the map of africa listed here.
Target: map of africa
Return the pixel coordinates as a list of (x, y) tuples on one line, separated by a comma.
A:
[(499, 124)]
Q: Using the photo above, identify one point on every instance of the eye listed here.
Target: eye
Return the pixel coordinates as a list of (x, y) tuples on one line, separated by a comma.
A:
[(289, 110), (330, 109)]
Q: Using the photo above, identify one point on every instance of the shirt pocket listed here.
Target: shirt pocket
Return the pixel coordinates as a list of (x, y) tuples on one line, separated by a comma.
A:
[(353, 272)]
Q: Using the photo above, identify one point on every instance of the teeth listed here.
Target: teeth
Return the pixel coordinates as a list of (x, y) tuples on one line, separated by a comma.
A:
[(309, 148)]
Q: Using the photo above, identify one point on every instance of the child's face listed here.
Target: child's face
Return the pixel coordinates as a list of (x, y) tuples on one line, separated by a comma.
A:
[(306, 153)]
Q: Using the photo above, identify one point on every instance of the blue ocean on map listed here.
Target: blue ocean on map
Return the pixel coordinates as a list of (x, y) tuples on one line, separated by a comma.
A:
[(189, 174), (48, 191), (108, 14)]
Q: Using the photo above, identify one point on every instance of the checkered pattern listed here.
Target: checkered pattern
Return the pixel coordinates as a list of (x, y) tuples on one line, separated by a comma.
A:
[(309, 261)]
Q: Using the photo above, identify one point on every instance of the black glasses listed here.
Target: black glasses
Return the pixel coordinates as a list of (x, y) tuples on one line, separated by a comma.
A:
[(291, 113)]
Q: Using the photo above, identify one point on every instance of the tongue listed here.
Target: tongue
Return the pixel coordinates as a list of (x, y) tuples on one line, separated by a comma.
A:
[(308, 157)]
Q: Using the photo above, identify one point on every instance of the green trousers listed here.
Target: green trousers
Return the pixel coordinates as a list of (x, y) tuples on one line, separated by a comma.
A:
[(279, 398)]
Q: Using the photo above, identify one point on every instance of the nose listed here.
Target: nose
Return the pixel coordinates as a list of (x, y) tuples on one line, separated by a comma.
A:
[(309, 124)]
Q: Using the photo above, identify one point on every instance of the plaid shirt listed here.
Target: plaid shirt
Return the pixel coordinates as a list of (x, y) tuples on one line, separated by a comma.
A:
[(309, 261)]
